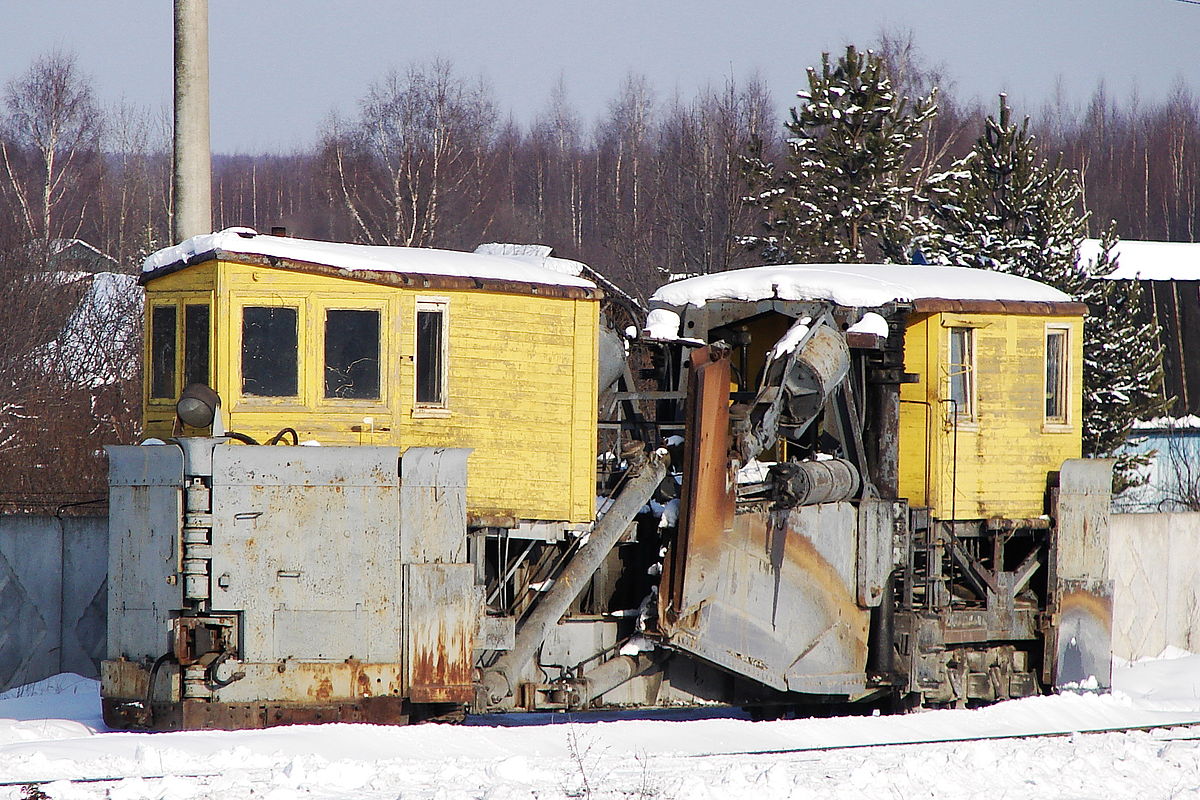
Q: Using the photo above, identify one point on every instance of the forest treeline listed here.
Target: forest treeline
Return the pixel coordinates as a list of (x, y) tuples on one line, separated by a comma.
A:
[(652, 186)]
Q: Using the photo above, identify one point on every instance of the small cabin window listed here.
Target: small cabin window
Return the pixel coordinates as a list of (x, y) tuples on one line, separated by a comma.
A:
[(352, 354), (431, 354), (269, 351), (1056, 375), (962, 373), (162, 351), (195, 344)]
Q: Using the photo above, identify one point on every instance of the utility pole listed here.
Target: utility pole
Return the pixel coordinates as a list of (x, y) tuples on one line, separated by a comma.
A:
[(192, 162)]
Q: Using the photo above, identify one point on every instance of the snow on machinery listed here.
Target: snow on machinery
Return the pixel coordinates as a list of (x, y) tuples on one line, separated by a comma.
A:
[(381, 581)]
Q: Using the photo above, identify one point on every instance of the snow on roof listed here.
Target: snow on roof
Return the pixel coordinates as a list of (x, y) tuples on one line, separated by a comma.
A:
[(539, 255), (856, 285), (360, 258), (1149, 261)]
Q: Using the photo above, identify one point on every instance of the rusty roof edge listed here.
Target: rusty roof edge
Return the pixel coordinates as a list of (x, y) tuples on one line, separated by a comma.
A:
[(407, 280), (1066, 308)]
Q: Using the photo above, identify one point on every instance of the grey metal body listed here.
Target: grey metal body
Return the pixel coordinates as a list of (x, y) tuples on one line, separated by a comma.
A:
[(288, 577)]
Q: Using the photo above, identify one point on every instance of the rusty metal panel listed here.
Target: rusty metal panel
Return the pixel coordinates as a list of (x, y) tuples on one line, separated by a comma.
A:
[(145, 520), (1083, 636), (310, 579), (1084, 501), (1080, 645), (877, 521), (441, 607), (785, 611), (693, 569)]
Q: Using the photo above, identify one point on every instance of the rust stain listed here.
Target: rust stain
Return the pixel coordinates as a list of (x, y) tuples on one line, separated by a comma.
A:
[(324, 690), (707, 504), (804, 564), (441, 672), (1086, 603)]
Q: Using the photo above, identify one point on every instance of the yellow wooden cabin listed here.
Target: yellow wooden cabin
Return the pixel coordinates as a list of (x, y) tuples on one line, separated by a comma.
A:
[(353, 344), (997, 405), (992, 401)]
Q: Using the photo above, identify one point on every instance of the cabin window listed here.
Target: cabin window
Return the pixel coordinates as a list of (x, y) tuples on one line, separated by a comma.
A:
[(195, 344), (1056, 375), (269, 351), (962, 373), (352, 354), (162, 351), (430, 354)]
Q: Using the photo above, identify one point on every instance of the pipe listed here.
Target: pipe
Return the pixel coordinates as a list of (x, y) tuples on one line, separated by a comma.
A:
[(500, 680), (192, 162), (611, 674)]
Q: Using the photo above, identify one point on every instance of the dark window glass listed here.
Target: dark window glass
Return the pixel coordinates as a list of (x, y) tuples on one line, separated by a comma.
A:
[(195, 344), (352, 354), (162, 351), (1056, 390), (269, 351), (429, 358)]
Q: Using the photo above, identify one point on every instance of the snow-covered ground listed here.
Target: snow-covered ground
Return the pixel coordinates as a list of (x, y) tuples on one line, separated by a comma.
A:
[(51, 732)]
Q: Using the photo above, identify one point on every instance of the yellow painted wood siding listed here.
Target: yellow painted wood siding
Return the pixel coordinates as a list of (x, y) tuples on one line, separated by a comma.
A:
[(998, 466), (521, 383)]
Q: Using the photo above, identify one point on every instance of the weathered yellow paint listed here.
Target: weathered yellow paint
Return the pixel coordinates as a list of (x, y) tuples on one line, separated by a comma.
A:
[(997, 463), (521, 381)]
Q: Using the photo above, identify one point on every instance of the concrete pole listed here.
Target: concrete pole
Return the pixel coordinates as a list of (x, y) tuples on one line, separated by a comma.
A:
[(192, 209)]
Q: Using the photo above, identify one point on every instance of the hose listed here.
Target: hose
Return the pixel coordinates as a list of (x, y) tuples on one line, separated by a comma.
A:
[(211, 672), (277, 438), (147, 708)]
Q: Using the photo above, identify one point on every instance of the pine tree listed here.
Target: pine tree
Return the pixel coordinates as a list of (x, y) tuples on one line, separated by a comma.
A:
[(1122, 364), (1006, 207), (843, 193)]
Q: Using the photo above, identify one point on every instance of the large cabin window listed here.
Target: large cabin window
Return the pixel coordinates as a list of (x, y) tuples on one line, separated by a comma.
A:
[(1056, 375), (352, 354), (430, 357), (269, 351), (961, 371), (162, 352), (195, 344)]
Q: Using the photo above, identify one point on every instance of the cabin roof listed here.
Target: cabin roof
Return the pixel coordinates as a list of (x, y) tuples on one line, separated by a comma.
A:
[(927, 288), (422, 267)]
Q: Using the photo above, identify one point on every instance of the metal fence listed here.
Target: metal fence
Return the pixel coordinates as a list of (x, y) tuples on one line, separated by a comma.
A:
[(53, 596)]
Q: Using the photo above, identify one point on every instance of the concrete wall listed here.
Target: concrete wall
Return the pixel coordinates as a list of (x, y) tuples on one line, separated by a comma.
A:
[(53, 596), (1154, 562)]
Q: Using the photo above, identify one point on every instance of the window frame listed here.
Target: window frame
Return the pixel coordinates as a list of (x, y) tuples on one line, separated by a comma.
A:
[(180, 302), (237, 315), (321, 312), (1063, 421), (966, 412), (441, 407)]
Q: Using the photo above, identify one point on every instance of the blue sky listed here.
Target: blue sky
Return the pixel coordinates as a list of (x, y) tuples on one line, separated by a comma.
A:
[(279, 68)]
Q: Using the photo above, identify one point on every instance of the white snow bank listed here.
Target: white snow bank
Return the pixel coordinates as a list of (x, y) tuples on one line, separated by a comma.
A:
[(862, 285), (523, 268), (507, 757), (1148, 261)]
